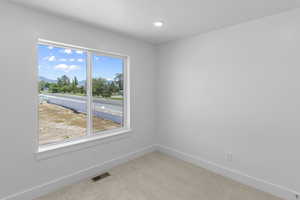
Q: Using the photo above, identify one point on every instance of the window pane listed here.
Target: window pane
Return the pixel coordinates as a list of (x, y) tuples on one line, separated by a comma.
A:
[(62, 94), (107, 91)]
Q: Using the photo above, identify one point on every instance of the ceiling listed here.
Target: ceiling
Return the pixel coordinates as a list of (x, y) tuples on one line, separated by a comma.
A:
[(182, 17)]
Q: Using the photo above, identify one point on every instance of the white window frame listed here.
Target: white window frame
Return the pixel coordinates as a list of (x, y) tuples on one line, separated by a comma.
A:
[(90, 138)]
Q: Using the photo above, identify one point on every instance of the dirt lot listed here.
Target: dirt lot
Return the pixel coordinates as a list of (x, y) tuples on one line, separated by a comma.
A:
[(57, 123)]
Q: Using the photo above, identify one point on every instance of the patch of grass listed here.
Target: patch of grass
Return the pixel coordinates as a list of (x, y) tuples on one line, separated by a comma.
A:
[(116, 98)]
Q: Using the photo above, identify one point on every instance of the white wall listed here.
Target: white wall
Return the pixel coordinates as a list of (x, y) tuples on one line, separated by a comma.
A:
[(236, 90), (20, 28), (232, 90)]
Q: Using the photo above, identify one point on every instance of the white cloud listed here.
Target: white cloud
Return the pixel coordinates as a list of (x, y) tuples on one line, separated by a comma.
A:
[(66, 68), (50, 47), (79, 52), (68, 51), (80, 60), (63, 59), (109, 79), (51, 58), (72, 60)]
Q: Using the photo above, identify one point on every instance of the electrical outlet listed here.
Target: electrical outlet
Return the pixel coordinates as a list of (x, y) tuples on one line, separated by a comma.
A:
[(229, 157)]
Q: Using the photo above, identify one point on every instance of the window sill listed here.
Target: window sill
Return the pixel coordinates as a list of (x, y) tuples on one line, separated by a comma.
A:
[(47, 151)]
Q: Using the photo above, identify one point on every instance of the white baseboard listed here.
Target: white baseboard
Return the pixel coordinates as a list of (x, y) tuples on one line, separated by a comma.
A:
[(53, 185), (257, 183)]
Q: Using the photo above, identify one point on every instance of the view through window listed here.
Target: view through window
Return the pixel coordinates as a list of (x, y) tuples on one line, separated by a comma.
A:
[(80, 93)]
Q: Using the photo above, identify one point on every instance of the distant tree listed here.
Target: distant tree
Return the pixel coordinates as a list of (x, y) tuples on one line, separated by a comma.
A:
[(75, 81), (63, 81), (73, 86), (81, 90), (54, 88), (65, 89), (42, 86), (119, 80), (47, 85), (114, 87), (98, 86), (106, 91), (101, 87)]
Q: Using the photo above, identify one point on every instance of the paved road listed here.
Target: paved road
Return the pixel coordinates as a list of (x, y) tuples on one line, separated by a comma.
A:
[(95, 99), (113, 107)]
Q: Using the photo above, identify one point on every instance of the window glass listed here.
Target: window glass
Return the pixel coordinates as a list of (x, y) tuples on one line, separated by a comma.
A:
[(81, 93), (107, 92), (62, 93)]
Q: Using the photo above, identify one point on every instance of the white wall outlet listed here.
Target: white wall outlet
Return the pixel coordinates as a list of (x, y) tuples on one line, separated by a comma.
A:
[(229, 157)]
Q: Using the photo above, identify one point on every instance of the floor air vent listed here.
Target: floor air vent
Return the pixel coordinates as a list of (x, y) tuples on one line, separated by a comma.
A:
[(101, 176)]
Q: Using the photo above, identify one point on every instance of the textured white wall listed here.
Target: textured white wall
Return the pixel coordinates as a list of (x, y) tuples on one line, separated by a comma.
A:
[(236, 90), (20, 28)]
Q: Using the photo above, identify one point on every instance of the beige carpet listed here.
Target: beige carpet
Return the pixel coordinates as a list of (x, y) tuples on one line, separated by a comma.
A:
[(156, 176)]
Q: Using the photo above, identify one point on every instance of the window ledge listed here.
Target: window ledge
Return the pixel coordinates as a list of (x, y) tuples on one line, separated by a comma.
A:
[(47, 151)]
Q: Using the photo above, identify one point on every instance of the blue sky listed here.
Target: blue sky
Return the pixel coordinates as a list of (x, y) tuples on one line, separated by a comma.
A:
[(54, 62)]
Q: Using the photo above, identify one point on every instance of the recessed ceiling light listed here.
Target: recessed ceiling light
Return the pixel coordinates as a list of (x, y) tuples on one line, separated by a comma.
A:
[(158, 24)]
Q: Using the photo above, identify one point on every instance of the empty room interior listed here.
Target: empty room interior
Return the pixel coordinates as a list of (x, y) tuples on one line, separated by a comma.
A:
[(150, 100)]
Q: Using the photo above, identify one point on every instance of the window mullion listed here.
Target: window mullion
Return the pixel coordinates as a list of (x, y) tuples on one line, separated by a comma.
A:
[(89, 94)]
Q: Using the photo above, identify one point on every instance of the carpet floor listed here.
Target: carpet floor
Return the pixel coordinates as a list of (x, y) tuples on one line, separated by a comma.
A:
[(156, 176)]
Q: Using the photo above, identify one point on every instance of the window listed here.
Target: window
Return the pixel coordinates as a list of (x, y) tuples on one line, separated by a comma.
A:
[(82, 93)]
